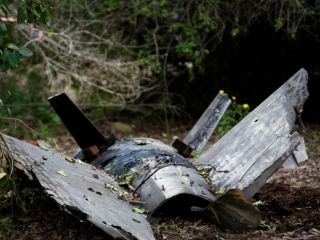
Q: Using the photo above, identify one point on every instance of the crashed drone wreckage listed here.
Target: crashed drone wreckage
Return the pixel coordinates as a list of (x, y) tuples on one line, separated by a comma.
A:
[(110, 182)]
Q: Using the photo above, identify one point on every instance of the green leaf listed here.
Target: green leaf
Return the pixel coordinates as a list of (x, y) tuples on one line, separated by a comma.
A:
[(55, 118), (195, 153), (129, 179), (4, 7), (138, 210), (3, 27), (235, 32), (5, 56), (50, 33), (26, 52), (12, 46), (22, 13), (13, 59), (278, 24)]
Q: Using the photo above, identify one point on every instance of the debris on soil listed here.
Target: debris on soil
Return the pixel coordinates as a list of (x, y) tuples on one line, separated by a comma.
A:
[(70, 159), (291, 207), (62, 173), (139, 210), (233, 211)]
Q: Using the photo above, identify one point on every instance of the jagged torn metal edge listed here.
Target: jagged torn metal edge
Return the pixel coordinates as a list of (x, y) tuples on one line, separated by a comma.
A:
[(81, 190), (257, 146)]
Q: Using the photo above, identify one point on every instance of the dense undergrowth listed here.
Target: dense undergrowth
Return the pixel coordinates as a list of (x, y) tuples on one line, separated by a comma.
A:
[(160, 58)]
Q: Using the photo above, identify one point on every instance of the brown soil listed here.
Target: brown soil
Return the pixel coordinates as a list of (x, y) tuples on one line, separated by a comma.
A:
[(291, 208)]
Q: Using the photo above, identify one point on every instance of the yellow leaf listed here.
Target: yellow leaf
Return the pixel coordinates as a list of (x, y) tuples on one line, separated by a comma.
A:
[(2, 175), (138, 210), (69, 159), (62, 173)]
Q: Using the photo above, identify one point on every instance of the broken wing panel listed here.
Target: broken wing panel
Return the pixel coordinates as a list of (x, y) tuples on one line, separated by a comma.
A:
[(260, 141), (81, 187), (298, 156), (200, 134), (268, 163)]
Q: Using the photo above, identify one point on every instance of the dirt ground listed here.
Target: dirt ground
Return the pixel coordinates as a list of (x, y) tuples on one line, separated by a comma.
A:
[(290, 209)]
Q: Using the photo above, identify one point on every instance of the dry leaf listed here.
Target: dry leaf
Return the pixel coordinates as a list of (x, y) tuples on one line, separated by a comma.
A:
[(2, 175), (62, 173), (138, 210)]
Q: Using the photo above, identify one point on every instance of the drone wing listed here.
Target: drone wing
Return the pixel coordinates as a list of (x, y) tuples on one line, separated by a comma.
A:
[(80, 189), (256, 147)]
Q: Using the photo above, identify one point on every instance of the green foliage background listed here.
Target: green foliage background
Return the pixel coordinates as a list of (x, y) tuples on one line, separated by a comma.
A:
[(176, 42), (26, 11)]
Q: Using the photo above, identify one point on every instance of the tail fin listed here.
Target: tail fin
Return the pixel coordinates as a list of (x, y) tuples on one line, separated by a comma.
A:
[(199, 135), (80, 127)]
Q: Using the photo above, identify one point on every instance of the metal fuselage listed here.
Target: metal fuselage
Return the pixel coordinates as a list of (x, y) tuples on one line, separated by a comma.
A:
[(159, 174)]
